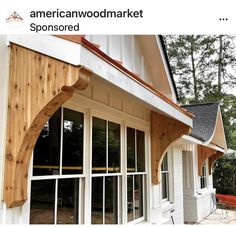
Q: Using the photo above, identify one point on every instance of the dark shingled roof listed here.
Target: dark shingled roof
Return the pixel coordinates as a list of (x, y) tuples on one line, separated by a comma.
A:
[(204, 121)]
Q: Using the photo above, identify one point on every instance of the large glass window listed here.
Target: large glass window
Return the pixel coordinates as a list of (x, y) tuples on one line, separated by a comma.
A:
[(58, 152), (203, 178), (47, 149), (106, 171), (165, 178), (135, 173), (106, 146)]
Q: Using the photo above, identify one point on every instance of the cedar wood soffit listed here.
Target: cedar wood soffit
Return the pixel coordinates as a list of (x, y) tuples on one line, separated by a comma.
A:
[(38, 86)]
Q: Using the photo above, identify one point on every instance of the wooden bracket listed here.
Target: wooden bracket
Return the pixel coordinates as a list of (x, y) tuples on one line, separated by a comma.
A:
[(203, 154), (212, 160), (164, 131), (38, 86)]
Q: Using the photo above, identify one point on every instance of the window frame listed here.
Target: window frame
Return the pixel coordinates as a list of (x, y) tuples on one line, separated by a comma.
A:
[(57, 177), (203, 181), (167, 173), (144, 173), (92, 108), (119, 174)]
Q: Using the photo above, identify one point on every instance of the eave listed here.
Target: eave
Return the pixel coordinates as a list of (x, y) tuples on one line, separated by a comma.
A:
[(84, 53)]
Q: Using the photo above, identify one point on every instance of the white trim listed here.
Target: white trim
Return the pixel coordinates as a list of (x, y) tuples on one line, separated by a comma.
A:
[(50, 45), (166, 68), (191, 140), (124, 82), (218, 117), (56, 198), (4, 81), (79, 55)]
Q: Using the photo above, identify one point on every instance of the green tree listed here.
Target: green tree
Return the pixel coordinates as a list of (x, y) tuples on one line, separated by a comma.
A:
[(224, 175), (203, 67), (191, 59)]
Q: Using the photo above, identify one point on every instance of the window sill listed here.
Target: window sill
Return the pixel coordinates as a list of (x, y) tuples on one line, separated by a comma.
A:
[(167, 205), (204, 192)]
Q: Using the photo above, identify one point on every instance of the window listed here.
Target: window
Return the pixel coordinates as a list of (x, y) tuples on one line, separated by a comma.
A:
[(57, 169), (106, 178), (203, 178), (60, 181), (165, 178), (135, 173)]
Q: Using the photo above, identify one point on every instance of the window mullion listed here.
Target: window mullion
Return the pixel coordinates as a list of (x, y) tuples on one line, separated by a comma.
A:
[(61, 142), (135, 149), (107, 147), (133, 198), (103, 203), (56, 195)]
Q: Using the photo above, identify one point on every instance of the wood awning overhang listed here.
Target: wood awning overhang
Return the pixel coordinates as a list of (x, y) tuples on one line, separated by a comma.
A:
[(205, 153), (38, 86), (164, 132)]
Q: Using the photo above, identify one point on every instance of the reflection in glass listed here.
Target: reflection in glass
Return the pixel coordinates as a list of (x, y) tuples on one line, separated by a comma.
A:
[(164, 182), (99, 146), (97, 200), (111, 200), (72, 160), (42, 202), (140, 151), (68, 201), (47, 148), (164, 164), (130, 150), (138, 195), (113, 147), (130, 198)]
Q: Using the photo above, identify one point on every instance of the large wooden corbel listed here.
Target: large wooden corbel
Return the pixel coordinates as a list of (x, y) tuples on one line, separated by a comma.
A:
[(38, 86), (212, 159), (164, 131), (203, 154)]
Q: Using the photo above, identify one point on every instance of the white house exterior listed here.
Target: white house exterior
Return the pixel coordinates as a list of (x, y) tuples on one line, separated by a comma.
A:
[(91, 133)]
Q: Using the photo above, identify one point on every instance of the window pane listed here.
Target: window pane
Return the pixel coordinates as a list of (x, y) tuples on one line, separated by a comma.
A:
[(130, 150), (72, 161), (42, 202), (130, 201), (140, 151), (111, 200), (99, 146), (68, 201), (165, 186), (164, 164), (138, 195), (97, 200), (47, 149), (113, 147)]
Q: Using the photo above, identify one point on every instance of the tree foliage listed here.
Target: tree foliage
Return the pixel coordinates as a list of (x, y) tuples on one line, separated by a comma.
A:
[(224, 176), (203, 67)]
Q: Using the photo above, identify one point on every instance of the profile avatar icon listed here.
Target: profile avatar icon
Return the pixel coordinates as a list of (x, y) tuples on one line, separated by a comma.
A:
[(14, 20)]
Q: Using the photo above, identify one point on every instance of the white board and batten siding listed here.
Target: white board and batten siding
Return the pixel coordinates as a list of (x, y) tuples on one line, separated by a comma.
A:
[(125, 49), (3, 114)]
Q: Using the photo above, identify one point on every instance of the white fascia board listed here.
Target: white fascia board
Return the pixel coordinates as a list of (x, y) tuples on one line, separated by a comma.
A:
[(192, 140), (166, 68), (213, 146), (49, 45), (124, 82)]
